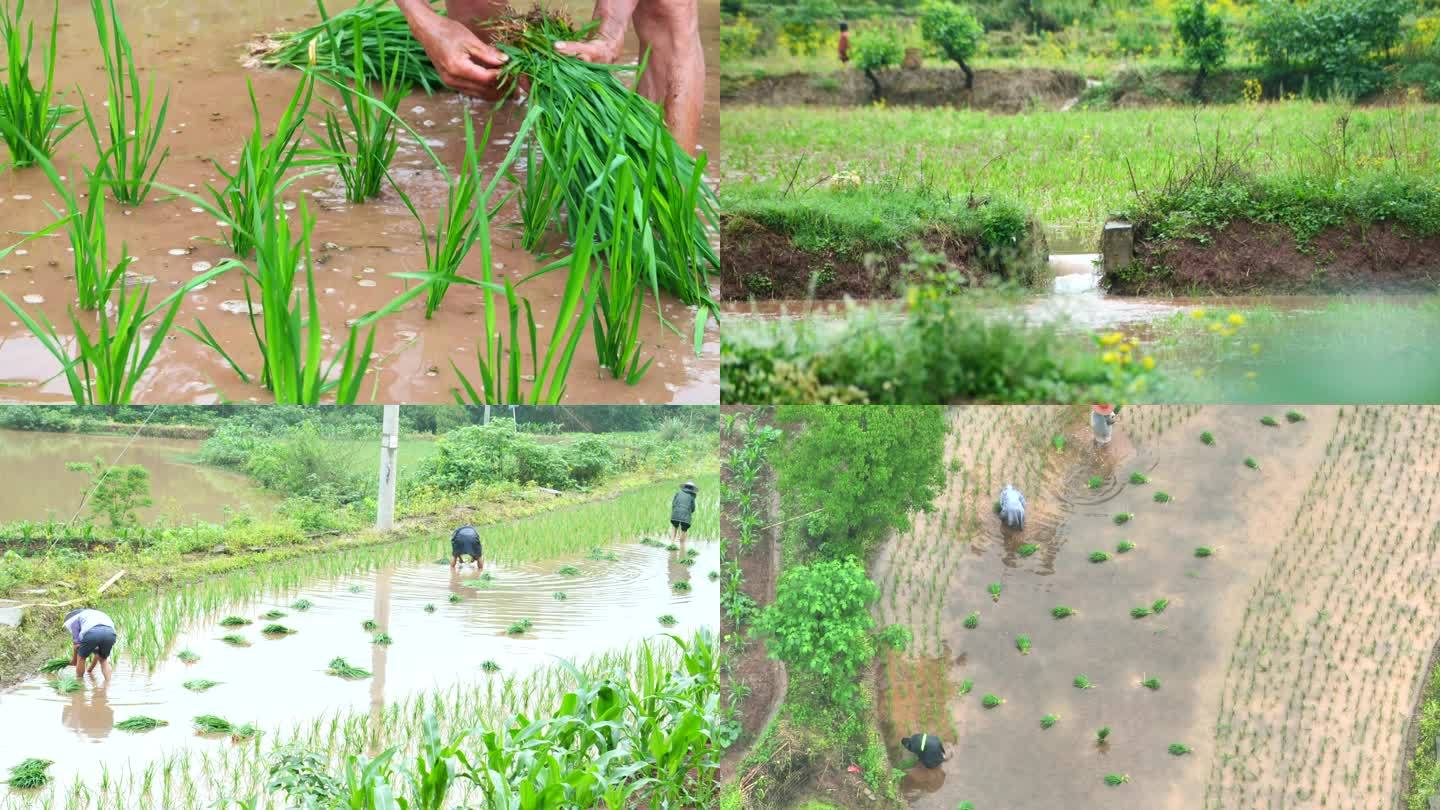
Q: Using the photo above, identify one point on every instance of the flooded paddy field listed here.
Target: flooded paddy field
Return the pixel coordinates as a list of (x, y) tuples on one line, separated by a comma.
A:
[(197, 53), (1227, 604)]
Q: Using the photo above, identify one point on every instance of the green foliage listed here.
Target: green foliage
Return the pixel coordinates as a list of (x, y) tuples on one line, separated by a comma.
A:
[(140, 723), (951, 29), (302, 775), (30, 774), (1062, 612), (117, 493), (858, 473), (877, 47), (495, 452), (1179, 749), (343, 669), (33, 112), (972, 620), (1339, 43), (991, 701), (1202, 37), (820, 623), (1049, 721)]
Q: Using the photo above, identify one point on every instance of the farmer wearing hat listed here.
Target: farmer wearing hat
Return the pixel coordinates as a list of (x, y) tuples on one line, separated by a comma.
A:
[(93, 634), (927, 747), (465, 542), (669, 30), (682, 507)]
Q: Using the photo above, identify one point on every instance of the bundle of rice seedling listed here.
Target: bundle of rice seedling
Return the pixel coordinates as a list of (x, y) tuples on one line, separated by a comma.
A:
[(377, 25), (199, 684), (489, 666), (212, 724), (277, 630), (54, 665), (342, 668), (668, 620), (140, 723), (520, 628), (560, 596), (682, 586), (272, 615), (234, 621), (65, 684), (188, 656), (30, 774), (370, 625), (382, 638), (569, 571)]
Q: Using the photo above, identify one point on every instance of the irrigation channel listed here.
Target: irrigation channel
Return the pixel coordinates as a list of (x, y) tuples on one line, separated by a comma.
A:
[(448, 631), (182, 490), (197, 51), (1312, 348), (1275, 666)]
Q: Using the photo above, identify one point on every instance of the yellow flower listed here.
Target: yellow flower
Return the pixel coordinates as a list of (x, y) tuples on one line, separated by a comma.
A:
[(1112, 338), (1108, 357), (1254, 348), (1148, 363), (1236, 318), (1198, 313), (1126, 347), (1125, 359), (1216, 327)]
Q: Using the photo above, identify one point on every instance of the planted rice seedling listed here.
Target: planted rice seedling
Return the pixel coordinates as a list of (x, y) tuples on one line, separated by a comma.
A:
[(199, 684), (1098, 557), (560, 596), (1114, 779), (140, 723), (965, 687), (1207, 438), (34, 112), (1102, 734), (382, 638), (1159, 605), (277, 630), (235, 639), (569, 571), (972, 621), (188, 656), (1049, 721), (1139, 612), (1179, 749), (489, 666), (1027, 549), (1252, 463), (1204, 551), (1022, 643), (342, 668), (362, 152), (991, 701), (1062, 612), (370, 624), (430, 607), (456, 598), (1269, 421), (67, 683), (1124, 517), (1153, 684), (234, 621), (668, 620), (1294, 416), (1139, 478), (272, 615), (682, 586), (994, 588), (520, 628), (301, 605), (1124, 547), (1082, 682), (1161, 497), (30, 774), (54, 665), (212, 724), (126, 157)]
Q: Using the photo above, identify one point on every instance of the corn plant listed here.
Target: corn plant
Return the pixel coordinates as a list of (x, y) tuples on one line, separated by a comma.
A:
[(33, 112), (126, 155), (362, 153)]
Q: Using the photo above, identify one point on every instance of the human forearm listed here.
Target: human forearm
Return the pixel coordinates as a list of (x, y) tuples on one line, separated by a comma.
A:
[(614, 17)]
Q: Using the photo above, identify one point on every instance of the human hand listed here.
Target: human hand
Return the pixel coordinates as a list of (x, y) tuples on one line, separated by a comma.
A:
[(601, 50), (465, 62)]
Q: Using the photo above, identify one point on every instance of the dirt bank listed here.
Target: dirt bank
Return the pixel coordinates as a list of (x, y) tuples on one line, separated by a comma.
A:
[(760, 263), (994, 90), (1251, 257)]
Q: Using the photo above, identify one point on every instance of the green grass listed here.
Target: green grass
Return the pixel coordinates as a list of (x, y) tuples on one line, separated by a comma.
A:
[(1026, 549), (342, 668), (30, 774), (200, 684), (140, 723), (126, 155), (1062, 612), (35, 113)]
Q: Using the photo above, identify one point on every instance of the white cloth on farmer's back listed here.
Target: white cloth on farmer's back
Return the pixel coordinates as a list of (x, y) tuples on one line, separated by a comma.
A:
[(81, 622), (1100, 424), (1012, 507)]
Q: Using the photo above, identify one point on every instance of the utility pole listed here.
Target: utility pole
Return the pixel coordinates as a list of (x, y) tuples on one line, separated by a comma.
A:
[(389, 454)]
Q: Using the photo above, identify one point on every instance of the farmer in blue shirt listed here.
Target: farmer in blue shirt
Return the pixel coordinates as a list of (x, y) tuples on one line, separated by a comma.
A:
[(94, 636), (466, 543)]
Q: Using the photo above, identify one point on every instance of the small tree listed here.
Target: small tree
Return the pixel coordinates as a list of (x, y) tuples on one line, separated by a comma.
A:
[(116, 492), (876, 48), (1202, 39), (955, 31)]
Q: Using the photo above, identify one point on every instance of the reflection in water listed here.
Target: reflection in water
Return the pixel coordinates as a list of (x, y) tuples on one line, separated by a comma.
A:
[(88, 711), (379, 655)]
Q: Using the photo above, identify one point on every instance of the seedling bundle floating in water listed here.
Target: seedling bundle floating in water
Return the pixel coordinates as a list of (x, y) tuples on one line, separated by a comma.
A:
[(30, 774)]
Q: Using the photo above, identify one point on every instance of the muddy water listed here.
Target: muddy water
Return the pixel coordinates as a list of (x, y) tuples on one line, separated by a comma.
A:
[(195, 49), (181, 490), (276, 682), (1217, 502)]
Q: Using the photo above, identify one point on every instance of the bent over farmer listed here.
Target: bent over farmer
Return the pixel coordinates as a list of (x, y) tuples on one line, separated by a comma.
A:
[(465, 542), (1012, 507), (93, 634), (927, 747), (682, 508), (669, 30)]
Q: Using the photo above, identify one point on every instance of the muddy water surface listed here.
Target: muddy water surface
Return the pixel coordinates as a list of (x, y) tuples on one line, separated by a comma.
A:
[(276, 682), (181, 490), (196, 50)]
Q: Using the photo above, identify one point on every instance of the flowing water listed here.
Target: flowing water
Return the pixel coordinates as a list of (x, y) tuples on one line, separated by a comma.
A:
[(181, 491), (196, 50), (274, 682)]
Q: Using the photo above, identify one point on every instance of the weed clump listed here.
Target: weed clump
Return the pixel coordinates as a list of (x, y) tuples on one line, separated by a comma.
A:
[(30, 774), (199, 684), (140, 723), (1062, 612), (342, 668), (1027, 549), (1098, 556), (972, 621)]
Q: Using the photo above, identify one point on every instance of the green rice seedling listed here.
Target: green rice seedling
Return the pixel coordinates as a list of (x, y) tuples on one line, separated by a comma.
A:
[(1098, 557), (965, 687), (244, 731), (1102, 734), (234, 621), (1179, 749), (569, 571), (1058, 442), (374, 26), (672, 547), (560, 596), (1027, 549), (140, 723), (1124, 517), (277, 630), (1022, 643), (1048, 721), (1153, 684), (1207, 438), (30, 774), (1095, 482), (67, 683), (362, 151), (382, 638), (301, 605), (1114, 779), (1082, 682), (602, 555), (339, 667), (188, 656), (1139, 612), (972, 621), (1159, 605), (430, 607), (489, 666), (485, 580), (1062, 612), (520, 628), (1269, 421), (991, 701), (354, 589), (620, 304), (966, 805), (686, 561), (668, 620), (1294, 416), (33, 112), (1124, 547), (455, 598), (212, 724), (370, 624), (1139, 478), (127, 161), (234, 639), (1161, 497), (1204, 551), (994, 588), (1252, 463), (713, 575), (272, 615), (682, 586), (54, 665)]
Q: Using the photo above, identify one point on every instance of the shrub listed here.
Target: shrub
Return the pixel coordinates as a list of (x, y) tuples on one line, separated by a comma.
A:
[(877, 47), (116, 492), (490, 453), (954, 31), (738, 39), (589, 458), (1330, 43)]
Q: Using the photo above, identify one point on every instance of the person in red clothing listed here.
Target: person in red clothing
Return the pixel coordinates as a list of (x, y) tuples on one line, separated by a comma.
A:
[(844, 43)]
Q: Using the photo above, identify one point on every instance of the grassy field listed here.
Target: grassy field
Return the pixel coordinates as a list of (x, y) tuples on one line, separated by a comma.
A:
[(1070, 168)]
